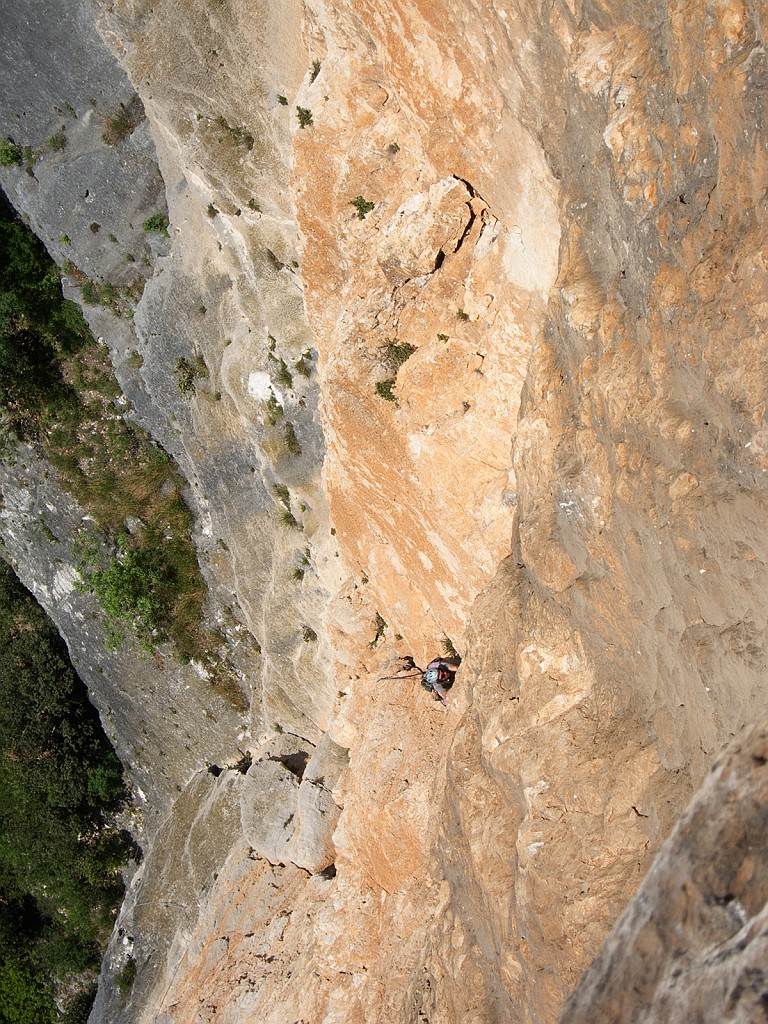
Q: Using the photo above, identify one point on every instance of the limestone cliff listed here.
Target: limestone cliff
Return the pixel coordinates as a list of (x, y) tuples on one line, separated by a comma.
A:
[(501, 270)]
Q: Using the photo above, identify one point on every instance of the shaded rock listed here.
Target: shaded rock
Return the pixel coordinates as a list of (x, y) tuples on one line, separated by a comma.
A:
[(693, 943)]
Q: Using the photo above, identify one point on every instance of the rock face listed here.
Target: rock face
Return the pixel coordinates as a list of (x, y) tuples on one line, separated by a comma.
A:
[(692, 944), (519, 253)]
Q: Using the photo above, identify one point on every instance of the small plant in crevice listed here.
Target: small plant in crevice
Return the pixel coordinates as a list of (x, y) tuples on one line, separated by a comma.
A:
[(119, 123), (362, 206), (304, 365), (211, 211), (253, 205), (443, 337), (288, 519), (305, 117), (315, 71), (393, 148), (384, 389), (157, 224), (126, 976), (448, 648), (56, 143), (309, 635), (11, 155), (381, 627), (397, 352), (273, 411), (283, 375), (188, 373), (461, 315), (283, 494), (291, 440), (283, 101), (237, 133)]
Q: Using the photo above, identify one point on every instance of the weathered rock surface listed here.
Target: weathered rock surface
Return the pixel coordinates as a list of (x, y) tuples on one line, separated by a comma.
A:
[(692, 944), (567, 232)]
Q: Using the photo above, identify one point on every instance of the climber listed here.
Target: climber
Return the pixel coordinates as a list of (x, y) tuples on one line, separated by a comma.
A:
[(440, 675)]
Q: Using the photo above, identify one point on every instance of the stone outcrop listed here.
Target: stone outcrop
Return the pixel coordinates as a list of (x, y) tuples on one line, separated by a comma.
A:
[(519, 251), (692, 944)]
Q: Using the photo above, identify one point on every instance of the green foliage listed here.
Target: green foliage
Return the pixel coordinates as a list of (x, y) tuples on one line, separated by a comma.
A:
[(65, 239), (309, 635), (118, 125), (448, 647), (283, 495), (157, 223), (58, 779), (253, 205), (384, 389), (397, 351), (24, 996), (238, 134), (362, 206), (304, 365), (305, 117), (393, 148), (291, 440), (315, 71), (442, 337), (57, 390), (187, 373), (283, 375), (10, 153), (461, 315), (273, 411), (381, 627), (130, 588), (289, 520), (126, 976), (57, 142), (282, 100)]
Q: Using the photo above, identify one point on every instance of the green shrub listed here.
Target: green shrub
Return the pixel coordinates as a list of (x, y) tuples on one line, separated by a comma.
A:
[(118, 125), (362, 206), (291, 440), (57, 142), (253, 205), (397, 352), (188, 373), (239, 134), (381, 627), (126, 976), (282, 100), (393, 148), (283, 375), (309, 635), (384, 389), (461, 315), (273, 411), (304, 365), (305, 117), (10, 153), (157, 223), (315, 71)]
